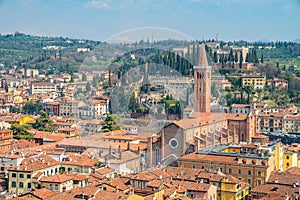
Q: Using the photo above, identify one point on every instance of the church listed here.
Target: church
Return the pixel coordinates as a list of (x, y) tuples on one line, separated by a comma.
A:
[(202, 128)]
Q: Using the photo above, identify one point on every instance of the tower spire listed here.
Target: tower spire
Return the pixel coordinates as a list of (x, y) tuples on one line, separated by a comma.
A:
[(202, 83), (202, 61)]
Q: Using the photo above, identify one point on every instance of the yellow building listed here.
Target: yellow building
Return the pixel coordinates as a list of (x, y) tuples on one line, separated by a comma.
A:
[(279, 156), (290, 159), (21, 179), (233, 189), (255, 81), (57, 182)]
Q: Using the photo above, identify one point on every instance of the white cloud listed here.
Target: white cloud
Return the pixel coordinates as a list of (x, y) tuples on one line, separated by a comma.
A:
[(98, 4)]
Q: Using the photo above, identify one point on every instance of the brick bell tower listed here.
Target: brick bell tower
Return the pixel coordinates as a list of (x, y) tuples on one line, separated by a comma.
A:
[(202, 83)]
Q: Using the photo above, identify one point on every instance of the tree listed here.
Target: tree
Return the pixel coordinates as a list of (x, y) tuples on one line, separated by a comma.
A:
[(230, 56), (236, 58), (262, 58), (110, 123), (21, 132), (215, 57), (44, 123), (248, 57), (32, 108), (241, 60)]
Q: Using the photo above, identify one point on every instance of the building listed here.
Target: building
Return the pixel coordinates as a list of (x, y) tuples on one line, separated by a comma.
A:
[(42, 87), (292, 124), (225, 186), (254, 81), (21, 177), (30, 73), (131, 129), (5, 138), (273, 122), (241, 108), (91, 126), (57, 182), (277, 83), (283, 185), (202, 128), (202, 83), (246, 163), (92, 109)]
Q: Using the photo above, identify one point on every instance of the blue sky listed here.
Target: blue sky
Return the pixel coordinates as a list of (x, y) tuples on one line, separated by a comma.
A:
[(100, 19)]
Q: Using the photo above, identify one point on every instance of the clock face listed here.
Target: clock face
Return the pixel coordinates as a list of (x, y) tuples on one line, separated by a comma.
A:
[(173, 143)]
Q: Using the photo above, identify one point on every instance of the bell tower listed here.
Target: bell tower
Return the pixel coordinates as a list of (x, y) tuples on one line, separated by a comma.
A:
[(202, 83)]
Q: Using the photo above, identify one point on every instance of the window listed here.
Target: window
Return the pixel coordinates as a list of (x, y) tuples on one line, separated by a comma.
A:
[(249, 172), (21, 175), (56, 187), (133, 183), (13, 184), (249, 180), (258, 181), (287, 157), (21, 185), (14, 175), (239, 171), (28, 185), (229, 170), (259, 173), (29, 176), (50, 187), (193, 167)]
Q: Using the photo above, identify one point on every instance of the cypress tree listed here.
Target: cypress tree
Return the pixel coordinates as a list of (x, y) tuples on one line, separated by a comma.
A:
[(241, 60), (236, 58)]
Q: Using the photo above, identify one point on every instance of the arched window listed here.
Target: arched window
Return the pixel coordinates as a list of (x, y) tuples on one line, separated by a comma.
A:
[(50, 187), (259, 173), (56, 187), (243, 137), (21, 185), (258, 181)]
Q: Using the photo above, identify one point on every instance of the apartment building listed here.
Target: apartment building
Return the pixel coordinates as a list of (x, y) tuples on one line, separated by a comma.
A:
[(42, 87), (254, 81)]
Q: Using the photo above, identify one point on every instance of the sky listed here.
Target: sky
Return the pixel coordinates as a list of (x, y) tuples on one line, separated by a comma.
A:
[(250, 20)]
